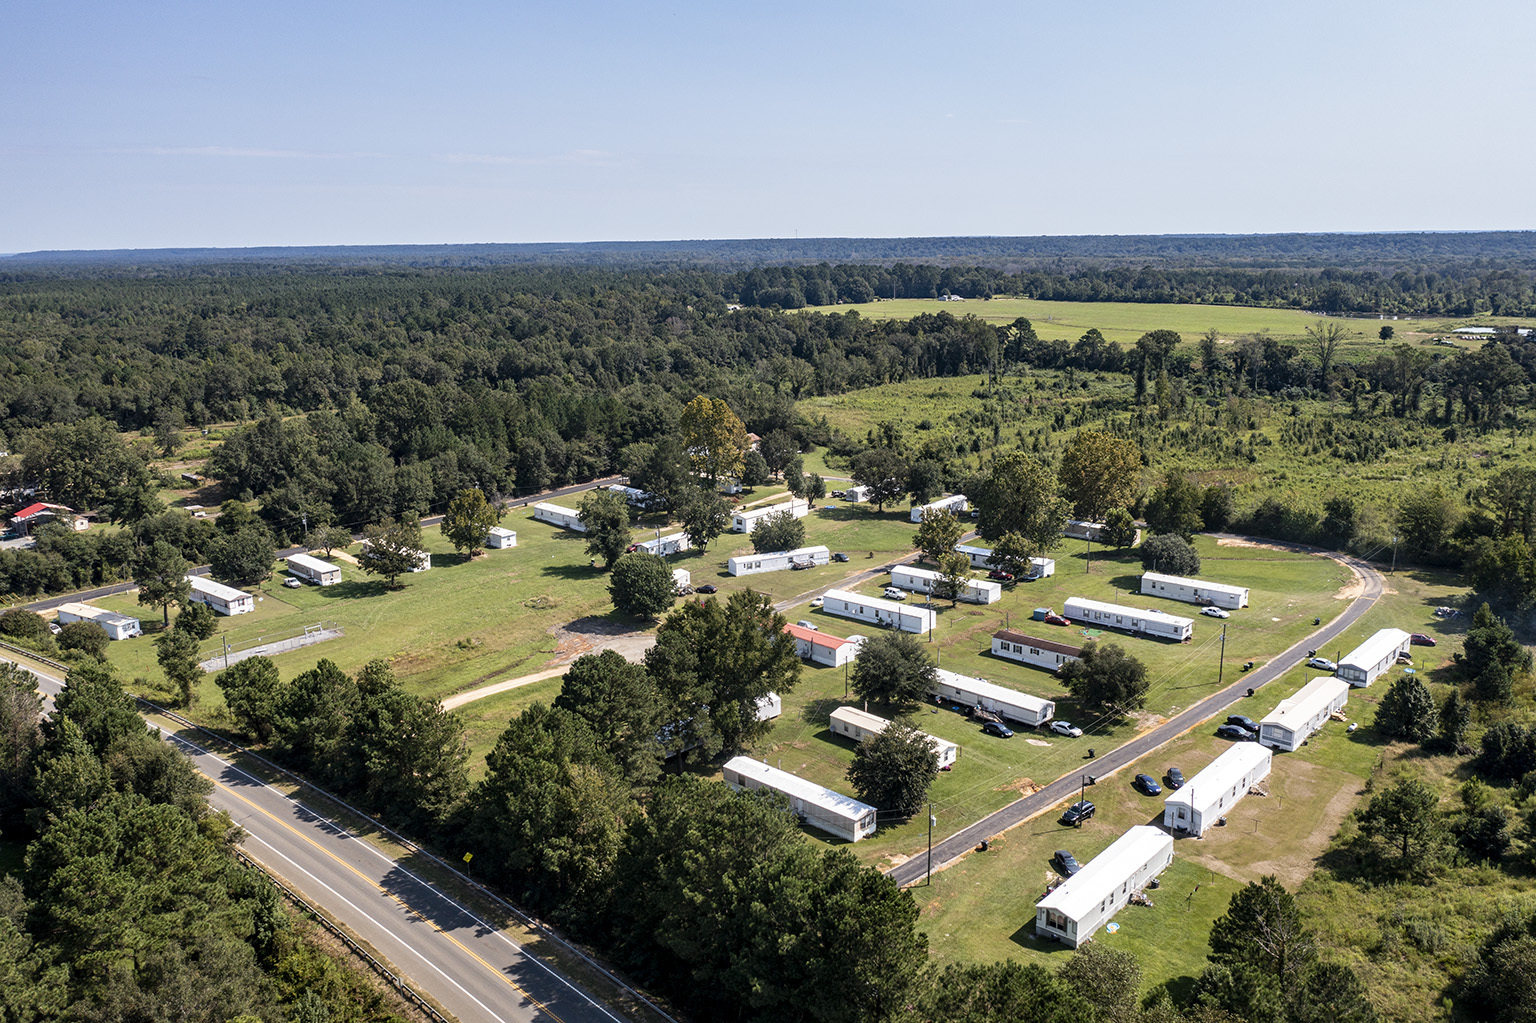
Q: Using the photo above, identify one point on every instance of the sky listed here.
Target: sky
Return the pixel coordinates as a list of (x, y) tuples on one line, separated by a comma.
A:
[(151, 125)]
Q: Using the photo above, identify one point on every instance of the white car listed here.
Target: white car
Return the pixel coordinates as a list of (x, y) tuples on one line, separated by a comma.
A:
[(1214, 612), (807, 625), (892, 593), (1322, 664), (1066, 728), (818, 601)]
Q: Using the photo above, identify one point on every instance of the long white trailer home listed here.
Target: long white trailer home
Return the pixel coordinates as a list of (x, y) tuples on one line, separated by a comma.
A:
[(1289, 724), (832, 812), (1132, 619), (744, 521), (1035, 652), (858, 725), (924, 580), (558, 515), (777, 561), (1079, 529), (956, 503), (115, 625), (632, 496), (313, 570), (847, 604), (1208, 796), (225, 600), (499, 538), (952, 687), (1362, 665), (1075, 911), (662, 546), (1193, 591), (823, 648), (981, 557)]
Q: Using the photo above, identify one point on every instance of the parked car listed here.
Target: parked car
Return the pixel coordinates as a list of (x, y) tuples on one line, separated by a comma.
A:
[(892, 593), (1244, 722), (706, 588), (1066, 728), (818, 601), (1147, 785), (1322, 664), (1214, 612), (839, 556), (1233, 732), (807, 625), (800, 566), (292, 583), (55, 628), (632, 548), (1066, 863), (1000, 575), (998, 729), (838, 495), (1056, 620), (1077, 812), (1419, 639), (1175, 778)]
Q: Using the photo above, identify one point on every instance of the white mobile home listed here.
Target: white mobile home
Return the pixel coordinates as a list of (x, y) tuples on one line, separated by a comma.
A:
[(1193, 591), (1289, 724), (1037, 653), (633, 497), (499, 538), (729, 487), (556, 515), (226, 600), (1208, 796), (313, 570), (116, 626), (1131, 619), (859, 493), (1078, 529), (858, 725), (953, 687), (1362, 665), (777, 561), (422, 563), (955, 503), (1075, 911), (769, 707), (981, 557), (1041, 568), (744, 521), (681, 578), (832, 812), (847, 604), (823, 648), (661, 546), (923, 580)]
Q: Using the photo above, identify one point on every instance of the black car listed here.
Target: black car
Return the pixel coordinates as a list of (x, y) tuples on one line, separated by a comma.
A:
[(1077, 812), (1175, 778), (1066, 863), (1233, 732), (998, 729), (1244, 722), (706, 588), (839, 556), (1148, 785)]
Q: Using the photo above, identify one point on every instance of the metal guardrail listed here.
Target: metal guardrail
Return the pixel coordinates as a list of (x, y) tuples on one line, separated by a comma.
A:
[(400, 984), (533, 924), (32, 655)]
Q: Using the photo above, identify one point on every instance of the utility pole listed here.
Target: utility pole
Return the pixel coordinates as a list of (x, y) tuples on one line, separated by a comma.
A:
[(932, 820), (1088, 556), (1394, 556), (1222, 663)]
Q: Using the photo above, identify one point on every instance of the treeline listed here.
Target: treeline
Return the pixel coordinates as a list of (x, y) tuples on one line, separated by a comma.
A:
[(130, 904)]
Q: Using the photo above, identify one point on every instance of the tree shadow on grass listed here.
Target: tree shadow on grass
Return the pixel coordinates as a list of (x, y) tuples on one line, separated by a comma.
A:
[(1025, 937), (353, 589), (818, 711), (578, 572)]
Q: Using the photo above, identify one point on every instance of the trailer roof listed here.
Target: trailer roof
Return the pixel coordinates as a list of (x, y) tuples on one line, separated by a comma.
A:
[(991, 690), (1181, 580), (1212, 783), (311, 562), (1377, 647), (1009, 636), (816, 636), (862, 718), (798, 552), (1294, 712), (559, 509), (793, 785), (1147, 614), (96, 614), (1107, 871), (215, 589), (880, 603)]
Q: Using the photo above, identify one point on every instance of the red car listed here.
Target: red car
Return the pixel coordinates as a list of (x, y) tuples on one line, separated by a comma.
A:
[(1056, 620), (1419, 639), (999, 574)]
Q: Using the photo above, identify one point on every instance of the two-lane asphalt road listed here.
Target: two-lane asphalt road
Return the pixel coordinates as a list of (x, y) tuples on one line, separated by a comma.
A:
[(1067, 785), (467, 965)]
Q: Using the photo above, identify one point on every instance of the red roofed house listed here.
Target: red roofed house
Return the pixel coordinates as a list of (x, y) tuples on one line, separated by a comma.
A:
[(36, 514), (820, 648)]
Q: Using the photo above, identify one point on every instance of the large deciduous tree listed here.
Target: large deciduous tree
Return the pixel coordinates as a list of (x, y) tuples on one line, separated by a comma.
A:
[(1105, 679), (1098, 472), (160, 572), (780, 531), (893, 770), (391, 549), (1408, 711), (623, 707), (243, 558), (641, 584), (1169, 554), (1019, 495), (938, 534), (714, 438), (1174, 507), (892, 668), (704, 515), (1324, 340), (251, 690), (884, 472), (606, 518), (468, 521)]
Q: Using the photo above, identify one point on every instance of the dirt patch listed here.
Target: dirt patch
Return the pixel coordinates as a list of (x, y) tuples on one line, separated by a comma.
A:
[(344, 556), (1146, 720), (1023, 786), (594, 635), (1234, 542), (1352, 589)]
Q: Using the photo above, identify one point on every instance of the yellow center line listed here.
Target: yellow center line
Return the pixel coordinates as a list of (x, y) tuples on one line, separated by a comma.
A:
[(382, 890)]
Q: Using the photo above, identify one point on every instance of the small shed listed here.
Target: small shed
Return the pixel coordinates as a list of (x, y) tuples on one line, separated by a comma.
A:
[(500, 538), (1289, 724), (1209, 795), (857, 493), (822, 808), (226, 600), (681, 578), (116, 626), (768, 707), (313, 570), (1089, 899)]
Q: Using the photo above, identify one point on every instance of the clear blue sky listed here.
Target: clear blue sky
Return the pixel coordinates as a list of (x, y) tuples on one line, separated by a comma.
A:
[(138, 125)]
